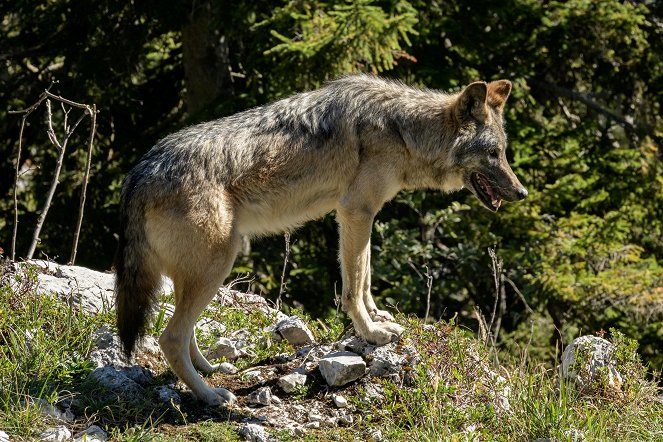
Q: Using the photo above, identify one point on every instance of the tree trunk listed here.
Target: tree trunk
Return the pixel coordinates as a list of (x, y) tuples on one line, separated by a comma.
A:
[(206, 60)]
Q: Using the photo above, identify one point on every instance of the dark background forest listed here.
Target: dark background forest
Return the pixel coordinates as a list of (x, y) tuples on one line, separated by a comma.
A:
[(582, 254)]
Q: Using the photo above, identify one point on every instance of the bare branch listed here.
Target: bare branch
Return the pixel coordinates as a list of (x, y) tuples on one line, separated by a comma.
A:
[(54, 181), (520, 295), (93, 115), (286, 236), (497, 272), (64, 100), (429, 285), (50, 132), (61, 148), (18, 166)]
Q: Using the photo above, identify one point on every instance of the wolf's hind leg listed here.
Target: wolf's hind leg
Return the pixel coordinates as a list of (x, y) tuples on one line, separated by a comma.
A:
[(176, 339), (200, 361), (193, 291)]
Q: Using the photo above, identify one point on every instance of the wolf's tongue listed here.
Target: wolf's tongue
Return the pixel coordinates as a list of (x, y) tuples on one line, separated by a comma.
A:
[(495, 200), (485, 185)]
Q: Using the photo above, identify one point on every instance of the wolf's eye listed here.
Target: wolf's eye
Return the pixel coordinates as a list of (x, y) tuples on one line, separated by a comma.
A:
[(493, 153)]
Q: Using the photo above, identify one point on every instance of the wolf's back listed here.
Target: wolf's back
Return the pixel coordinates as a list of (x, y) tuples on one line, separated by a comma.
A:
[(137, 276)]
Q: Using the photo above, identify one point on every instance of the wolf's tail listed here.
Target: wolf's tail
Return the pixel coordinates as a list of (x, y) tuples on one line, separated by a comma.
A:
[(137, 277)]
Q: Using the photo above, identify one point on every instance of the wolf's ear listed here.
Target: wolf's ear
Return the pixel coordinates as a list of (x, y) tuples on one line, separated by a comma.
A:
[(471, 102), (498, 92)]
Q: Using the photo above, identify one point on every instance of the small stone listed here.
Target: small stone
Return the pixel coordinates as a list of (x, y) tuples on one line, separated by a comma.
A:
[(261, 396), (375, 436), (254, 433), (149, 344), (253, 375), (574, 435), (385, 362), (118, 382), (339, 401), (167, 394), (224, 348), (92, 434), (4, 437), (346, 419), (313, 425), (295, 331), (226, 368), (276, 400), (312, 353), (56, 434), (55, 412), (282, 358), (352, 343), (330, 422), (341, 368), (313, 417), (211, 327), (291, 381), (372, 392)]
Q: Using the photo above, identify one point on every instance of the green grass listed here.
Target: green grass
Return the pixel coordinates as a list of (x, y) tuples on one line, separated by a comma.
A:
[(449, 395)]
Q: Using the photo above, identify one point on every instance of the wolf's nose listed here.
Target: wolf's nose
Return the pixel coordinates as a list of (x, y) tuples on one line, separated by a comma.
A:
[(522, 193)]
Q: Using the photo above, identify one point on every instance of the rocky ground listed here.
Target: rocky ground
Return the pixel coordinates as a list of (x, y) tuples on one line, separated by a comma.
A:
[(308, 387)]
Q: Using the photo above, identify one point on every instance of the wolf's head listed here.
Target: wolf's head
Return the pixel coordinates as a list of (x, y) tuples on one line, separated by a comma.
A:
[(480, 152)]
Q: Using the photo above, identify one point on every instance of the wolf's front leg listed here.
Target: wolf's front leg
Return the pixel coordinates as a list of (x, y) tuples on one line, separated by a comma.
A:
[(355, 233), (373, 311)]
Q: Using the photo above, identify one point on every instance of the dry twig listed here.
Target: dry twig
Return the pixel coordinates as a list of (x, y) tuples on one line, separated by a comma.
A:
[(60, 146)]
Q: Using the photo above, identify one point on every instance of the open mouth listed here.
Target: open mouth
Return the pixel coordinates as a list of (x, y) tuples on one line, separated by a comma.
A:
[(485, 192)]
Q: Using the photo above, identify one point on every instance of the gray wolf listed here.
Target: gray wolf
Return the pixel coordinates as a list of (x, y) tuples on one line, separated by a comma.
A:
[(349, 146)]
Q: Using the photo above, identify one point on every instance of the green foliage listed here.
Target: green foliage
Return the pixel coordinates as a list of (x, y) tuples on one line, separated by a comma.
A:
[(341, 36), (44, 346), (453, 396)]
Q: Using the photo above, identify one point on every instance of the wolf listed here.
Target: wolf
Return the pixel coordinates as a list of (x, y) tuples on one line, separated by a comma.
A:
[(347, 147)]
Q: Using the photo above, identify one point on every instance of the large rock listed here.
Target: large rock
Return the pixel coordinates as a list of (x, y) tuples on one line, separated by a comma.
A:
[(341, 367), (81, 287), (588, 359)]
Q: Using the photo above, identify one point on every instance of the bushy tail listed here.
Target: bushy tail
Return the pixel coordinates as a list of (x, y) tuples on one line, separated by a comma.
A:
[(137, 279)]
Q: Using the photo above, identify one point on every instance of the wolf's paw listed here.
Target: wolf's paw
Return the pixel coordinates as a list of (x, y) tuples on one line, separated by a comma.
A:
[(378, 315), (220, 397), (381, 333)]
